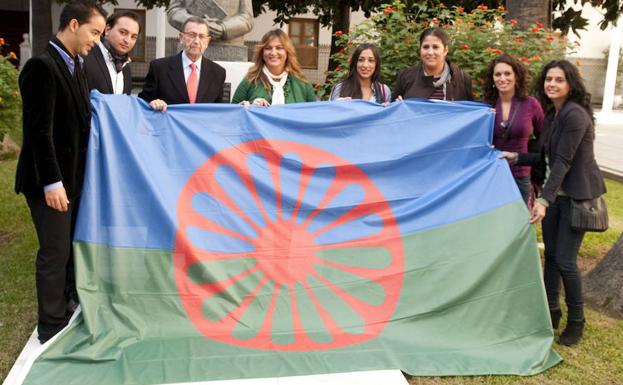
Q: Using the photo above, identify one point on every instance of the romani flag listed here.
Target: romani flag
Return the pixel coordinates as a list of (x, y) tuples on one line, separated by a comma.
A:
[(216, 243)]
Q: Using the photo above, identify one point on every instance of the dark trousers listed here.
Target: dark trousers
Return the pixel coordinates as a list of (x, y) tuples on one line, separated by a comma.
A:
[(525, 187), (55, 278), (561, 252)]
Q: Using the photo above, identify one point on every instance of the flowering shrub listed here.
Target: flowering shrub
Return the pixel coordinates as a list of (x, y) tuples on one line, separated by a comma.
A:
[(475, 39), (10, 100)]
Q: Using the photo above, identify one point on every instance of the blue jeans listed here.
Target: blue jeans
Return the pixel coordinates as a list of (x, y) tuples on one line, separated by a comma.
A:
[(525, 187), (562, 244)]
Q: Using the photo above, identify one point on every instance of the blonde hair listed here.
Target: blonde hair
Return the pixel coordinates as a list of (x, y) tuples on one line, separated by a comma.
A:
[(293, 67)]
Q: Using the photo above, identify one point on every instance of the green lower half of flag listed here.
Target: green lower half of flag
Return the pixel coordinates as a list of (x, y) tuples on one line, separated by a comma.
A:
[(471, 302)]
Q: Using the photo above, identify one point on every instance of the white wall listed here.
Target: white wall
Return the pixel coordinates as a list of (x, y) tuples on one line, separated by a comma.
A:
[(593, 41), (264, 23)]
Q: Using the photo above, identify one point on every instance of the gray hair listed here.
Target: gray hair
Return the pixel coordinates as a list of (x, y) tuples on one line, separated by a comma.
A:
[(196, 20)]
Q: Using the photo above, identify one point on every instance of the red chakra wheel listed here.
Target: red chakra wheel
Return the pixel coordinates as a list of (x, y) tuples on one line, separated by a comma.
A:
[(285, 246)]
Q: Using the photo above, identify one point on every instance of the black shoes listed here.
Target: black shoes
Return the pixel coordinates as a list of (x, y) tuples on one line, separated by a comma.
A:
[(555, 315), (572, 333)]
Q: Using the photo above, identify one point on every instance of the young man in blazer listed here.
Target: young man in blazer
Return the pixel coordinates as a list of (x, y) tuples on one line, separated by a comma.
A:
[(50, 171), (187, 77), (107, 65)]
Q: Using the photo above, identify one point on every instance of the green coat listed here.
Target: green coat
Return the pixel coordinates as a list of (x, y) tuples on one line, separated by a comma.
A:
[(296, 91)]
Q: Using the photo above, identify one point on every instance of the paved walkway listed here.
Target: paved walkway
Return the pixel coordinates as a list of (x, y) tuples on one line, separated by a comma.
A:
[(609, 144)]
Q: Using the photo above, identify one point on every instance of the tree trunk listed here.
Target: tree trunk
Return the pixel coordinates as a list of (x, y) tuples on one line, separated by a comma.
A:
[(41, 16), (528, 12), (603, 286), (341, 22)]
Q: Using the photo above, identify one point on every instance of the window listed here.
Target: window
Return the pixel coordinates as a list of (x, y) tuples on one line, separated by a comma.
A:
[(138, 52), (304, 35)]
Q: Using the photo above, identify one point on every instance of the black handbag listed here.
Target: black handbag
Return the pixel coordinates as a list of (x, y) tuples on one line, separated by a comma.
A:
[(589, 215)]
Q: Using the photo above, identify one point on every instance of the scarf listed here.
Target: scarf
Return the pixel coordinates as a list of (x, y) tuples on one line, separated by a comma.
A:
[(118, 59), (277, 82), (444, 78)]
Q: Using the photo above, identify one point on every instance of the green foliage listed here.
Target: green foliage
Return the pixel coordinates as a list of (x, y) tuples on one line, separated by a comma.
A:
[(476, 38), (10, 100)]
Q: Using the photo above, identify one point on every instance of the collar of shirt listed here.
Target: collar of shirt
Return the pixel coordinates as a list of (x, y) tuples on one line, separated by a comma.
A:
[(69, 61), (186, 63), (108, 57)]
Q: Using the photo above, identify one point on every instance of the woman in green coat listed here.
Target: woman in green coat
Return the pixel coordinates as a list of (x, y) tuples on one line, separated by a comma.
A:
[(276, 76)]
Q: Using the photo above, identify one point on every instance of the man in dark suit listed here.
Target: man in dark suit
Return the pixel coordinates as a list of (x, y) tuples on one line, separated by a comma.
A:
[(187, 77), (107, 65), (50, 171)]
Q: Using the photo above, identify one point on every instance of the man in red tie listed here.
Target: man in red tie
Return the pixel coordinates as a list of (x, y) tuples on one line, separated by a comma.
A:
[(187, 77)]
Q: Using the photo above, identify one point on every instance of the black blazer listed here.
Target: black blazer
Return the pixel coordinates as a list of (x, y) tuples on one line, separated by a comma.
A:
[(56, 122), (165, 80), (98, 76), (567, 141)]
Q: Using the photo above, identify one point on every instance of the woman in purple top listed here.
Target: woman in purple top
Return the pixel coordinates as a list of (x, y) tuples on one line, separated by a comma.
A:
[(518, 117)]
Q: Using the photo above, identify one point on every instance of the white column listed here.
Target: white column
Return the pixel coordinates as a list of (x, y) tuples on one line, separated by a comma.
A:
[(611, 72), (161, 31)]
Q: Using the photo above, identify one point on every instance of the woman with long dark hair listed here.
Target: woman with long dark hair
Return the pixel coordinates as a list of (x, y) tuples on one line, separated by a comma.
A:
[(573, 174), (364, 77), (518, 117), (276, 77), (434, 77)]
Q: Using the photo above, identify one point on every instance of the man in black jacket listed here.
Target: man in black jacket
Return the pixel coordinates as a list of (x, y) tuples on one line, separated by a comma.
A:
[(187, 77), (107, 65), (50, 171)]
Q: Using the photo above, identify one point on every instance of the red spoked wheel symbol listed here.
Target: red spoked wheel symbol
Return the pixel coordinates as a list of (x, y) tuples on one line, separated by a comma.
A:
[(276, 261)]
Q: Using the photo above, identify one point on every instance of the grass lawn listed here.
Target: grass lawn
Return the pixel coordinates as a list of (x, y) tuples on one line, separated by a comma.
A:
[(597, 360)]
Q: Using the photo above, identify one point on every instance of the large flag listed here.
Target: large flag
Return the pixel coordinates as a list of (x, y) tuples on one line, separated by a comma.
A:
[(215, 243)]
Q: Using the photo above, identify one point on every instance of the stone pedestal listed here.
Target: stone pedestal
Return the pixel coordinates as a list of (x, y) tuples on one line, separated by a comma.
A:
[(227, 52)]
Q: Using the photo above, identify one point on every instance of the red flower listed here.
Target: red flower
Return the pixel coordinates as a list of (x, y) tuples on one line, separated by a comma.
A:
[(12, 55), (465, 46), (482, 7), (524, 59), (536, 57), (513, 21), (350, 42), (388, 10), (496, 51), (339, 33), (338, 68), (501, 8), (342, 51), (539, 24), (518, 40), (550, 38), (316, 85), (535, 29)]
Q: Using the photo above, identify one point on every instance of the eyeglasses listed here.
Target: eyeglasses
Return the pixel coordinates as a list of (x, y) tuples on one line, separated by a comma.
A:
[(192, 36)]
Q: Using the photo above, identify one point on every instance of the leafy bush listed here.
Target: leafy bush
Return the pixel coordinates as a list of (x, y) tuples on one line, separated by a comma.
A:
[(10, 100), (475, 39)]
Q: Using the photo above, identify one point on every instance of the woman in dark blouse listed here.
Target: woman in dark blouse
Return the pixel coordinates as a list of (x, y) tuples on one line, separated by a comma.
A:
[(518, 117)]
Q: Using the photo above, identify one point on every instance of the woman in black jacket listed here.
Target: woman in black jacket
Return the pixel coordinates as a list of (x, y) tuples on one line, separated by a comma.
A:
[(434, 77), (567, 151)]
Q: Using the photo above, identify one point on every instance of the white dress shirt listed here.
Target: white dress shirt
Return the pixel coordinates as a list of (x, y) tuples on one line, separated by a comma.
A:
[(115, 77), (187, 70)]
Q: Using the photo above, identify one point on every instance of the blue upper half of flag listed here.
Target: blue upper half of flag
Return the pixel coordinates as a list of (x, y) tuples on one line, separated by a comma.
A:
[(432, 162)]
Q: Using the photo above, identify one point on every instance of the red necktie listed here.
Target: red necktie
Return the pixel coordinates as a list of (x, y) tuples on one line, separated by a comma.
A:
[(191, 84)]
